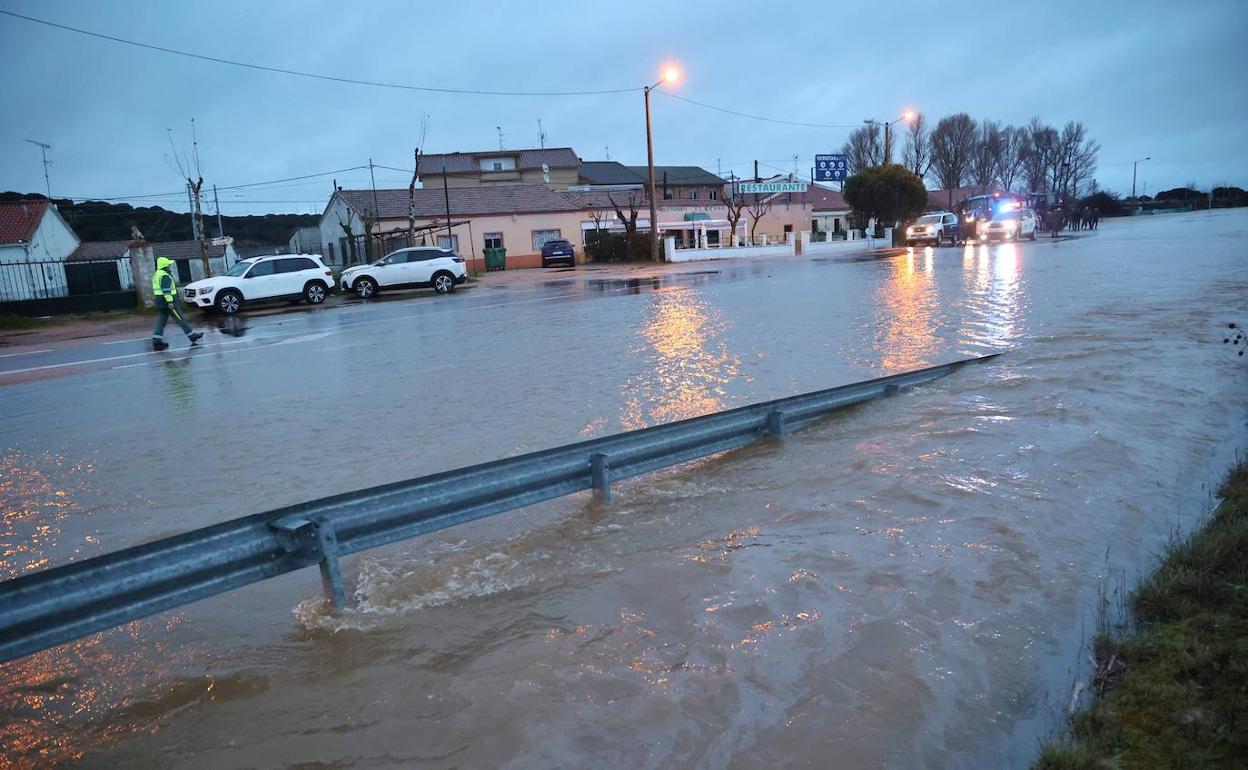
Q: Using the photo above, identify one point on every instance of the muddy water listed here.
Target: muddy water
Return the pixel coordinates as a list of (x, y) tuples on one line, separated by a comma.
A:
[(903, 585)]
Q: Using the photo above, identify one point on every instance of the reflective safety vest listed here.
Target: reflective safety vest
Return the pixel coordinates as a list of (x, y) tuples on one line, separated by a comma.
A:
[(163, 285)]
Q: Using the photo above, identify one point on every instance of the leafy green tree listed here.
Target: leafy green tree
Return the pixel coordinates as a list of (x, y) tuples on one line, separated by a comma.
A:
[(889, 194)]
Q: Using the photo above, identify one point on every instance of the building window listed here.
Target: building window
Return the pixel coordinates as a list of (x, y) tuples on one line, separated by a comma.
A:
[(693, 194), (448, 242), (542, 237), (788, 228), (713, 195), (498, 164), (329, 247), (667, 194), (493, 240)]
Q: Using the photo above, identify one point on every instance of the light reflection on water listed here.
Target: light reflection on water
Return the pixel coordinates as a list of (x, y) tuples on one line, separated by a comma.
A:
[(685, 363), (908, 306), (46, 698)]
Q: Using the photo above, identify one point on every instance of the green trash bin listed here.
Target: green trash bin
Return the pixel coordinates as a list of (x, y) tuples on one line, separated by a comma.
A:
[(496, 258)]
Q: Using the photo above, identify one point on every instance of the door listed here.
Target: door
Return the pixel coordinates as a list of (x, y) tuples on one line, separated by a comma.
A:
[(423, 264), (293, 273), (262, 280), (395, 269)]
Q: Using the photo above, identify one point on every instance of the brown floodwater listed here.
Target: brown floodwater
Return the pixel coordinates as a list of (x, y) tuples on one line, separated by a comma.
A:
[(905, 584)]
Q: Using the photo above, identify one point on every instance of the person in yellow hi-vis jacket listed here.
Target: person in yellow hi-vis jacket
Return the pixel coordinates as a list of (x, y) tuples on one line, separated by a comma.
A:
[(165, 297)]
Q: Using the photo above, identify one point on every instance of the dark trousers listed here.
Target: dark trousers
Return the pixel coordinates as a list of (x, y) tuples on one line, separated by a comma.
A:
[(163, 311)]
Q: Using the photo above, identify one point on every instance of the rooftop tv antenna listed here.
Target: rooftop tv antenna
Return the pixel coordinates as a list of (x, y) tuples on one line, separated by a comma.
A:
[(43, 149)]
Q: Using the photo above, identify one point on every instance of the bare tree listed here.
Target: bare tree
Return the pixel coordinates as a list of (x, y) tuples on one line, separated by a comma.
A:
[(918, 153), (411, 188), (758, 208), (348, 232), (986, 160), (736, 207), (864, 149), (192, 171), (953, 149), (1074, 163), (635, 199), (1010, 167), (369, 221), (1039, 150)]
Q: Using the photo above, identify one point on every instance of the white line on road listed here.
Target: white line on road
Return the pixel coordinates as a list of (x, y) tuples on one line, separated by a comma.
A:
[(26, 353)]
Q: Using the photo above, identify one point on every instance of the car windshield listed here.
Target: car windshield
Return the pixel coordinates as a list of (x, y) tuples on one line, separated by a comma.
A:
[(1005, 216), (238, 270), (930, 219), (557, 244)]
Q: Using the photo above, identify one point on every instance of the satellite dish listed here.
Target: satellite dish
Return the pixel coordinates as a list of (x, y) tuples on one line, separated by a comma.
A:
[(545, 173)]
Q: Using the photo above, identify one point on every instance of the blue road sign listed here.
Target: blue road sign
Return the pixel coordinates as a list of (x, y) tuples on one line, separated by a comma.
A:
[(831, 168)]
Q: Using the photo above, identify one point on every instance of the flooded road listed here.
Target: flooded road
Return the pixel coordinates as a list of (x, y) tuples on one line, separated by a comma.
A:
[(903, 585)]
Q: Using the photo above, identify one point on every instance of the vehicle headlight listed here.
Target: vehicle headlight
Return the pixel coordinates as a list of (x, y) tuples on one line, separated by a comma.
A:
[(205, 290)]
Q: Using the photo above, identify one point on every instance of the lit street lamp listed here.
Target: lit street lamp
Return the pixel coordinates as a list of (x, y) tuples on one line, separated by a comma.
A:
[(888, 145), (1135, 164), (670, 75)]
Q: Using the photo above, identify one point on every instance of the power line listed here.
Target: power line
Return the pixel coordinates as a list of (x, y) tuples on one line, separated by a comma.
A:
[(753, 117), (297, 73), (179, 193)]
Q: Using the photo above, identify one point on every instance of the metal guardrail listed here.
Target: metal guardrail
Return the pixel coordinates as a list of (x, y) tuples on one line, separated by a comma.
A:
[(57, 605)]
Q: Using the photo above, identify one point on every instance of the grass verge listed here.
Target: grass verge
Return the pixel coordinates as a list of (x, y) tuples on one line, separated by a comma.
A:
[(1171, 690)]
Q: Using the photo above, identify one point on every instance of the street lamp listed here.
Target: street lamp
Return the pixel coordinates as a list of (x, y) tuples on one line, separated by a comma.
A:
[(1134, 165), (888, 146), (670, 75)]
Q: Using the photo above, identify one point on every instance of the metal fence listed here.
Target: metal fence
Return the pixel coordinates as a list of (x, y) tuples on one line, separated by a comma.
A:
[(50, 287), (57, 605)]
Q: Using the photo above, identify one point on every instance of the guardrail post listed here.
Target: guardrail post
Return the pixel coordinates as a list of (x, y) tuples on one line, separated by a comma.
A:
[(600, 475), (775, 423), (317, 539)]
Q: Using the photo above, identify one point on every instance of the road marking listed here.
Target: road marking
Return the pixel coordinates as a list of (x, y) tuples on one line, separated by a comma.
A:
[(466, 307), (27, 353), (122, 342)]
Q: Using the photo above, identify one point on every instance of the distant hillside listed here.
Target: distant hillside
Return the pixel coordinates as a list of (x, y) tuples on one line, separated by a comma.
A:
[(98, 221)]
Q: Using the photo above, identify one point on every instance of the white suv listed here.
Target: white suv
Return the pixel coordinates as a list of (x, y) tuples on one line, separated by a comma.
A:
[(418, 267), (263, 279), (933, 227)]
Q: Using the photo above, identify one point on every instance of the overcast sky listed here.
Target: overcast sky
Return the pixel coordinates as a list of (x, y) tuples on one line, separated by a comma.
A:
[(1165, 79)]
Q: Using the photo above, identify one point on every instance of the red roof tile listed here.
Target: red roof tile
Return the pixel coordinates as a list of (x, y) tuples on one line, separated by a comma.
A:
[(20, 219)]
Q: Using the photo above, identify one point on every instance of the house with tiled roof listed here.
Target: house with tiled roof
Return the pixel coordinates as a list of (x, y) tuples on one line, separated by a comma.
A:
[(555, 167), (517, 217), (189, 261), (34, 231), (670, 182)]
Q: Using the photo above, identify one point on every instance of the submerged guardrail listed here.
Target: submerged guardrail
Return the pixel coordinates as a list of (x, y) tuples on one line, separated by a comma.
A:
[(57, 605)]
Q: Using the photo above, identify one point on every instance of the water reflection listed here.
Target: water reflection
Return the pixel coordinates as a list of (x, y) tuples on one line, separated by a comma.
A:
[(686, 361), (54, 703), (993, 278), (36, 497), (908, 307)]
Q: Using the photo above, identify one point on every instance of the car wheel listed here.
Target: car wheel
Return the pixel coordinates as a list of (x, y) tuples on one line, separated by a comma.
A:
[(229, 302), (443, 283), (314, 292), (365, 287)]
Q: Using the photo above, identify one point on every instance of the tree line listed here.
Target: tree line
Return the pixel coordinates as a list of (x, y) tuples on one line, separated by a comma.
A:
[(960, 151), (101, 221)]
